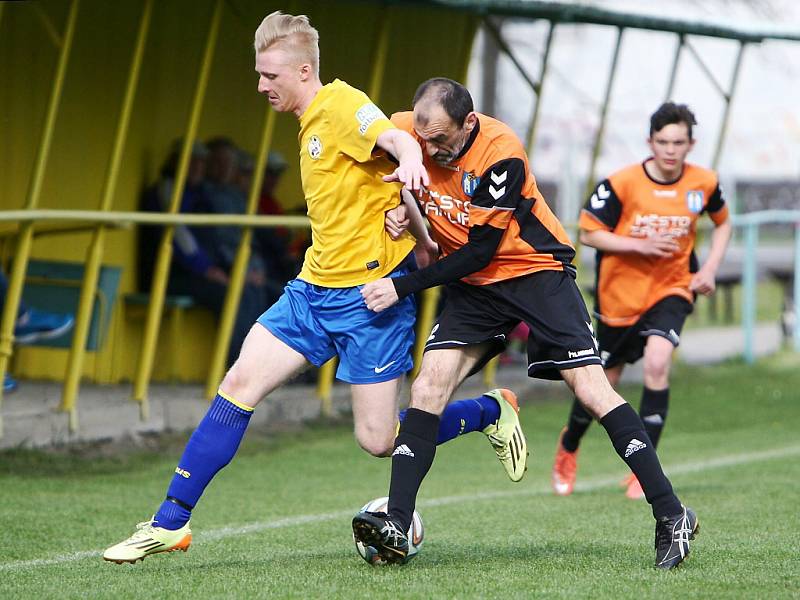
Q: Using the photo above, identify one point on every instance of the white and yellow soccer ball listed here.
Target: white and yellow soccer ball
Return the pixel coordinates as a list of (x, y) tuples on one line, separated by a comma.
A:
[(415, 533)]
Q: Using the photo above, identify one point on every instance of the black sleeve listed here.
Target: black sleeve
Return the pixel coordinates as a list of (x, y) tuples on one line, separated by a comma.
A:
[(716, 202), (604, 204), (500, 186), (475, 255)]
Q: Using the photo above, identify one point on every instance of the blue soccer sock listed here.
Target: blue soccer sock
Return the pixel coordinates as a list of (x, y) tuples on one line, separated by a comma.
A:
[(465, 416), (211, 447)]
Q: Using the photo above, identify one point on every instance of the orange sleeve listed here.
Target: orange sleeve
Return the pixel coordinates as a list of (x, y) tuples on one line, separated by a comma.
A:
[(589, 222), (720, 216)]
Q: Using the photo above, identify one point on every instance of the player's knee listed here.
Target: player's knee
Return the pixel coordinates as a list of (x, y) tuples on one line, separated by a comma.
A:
[(656, 369), (376, 445), (236, 381)]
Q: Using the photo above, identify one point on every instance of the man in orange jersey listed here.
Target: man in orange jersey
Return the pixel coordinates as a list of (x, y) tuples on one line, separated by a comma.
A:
[(506, 260), (642, 221)]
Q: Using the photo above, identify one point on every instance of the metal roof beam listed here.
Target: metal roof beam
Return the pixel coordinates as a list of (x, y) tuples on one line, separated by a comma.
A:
[(565, 12)]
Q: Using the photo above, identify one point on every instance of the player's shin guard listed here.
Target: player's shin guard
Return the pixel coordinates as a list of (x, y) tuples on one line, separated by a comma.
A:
[(413, 454), (628, 436), (579, 421), (653, 412), (211, 447)]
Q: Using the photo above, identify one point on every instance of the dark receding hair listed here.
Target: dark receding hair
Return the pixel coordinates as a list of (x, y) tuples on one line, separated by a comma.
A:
[(670, 113), (450, 95)]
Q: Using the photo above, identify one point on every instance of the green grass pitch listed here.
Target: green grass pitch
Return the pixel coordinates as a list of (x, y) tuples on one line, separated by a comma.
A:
[(276, 522)]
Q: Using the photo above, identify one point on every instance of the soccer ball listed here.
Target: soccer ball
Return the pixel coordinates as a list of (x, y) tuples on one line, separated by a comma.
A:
[(415, 533)]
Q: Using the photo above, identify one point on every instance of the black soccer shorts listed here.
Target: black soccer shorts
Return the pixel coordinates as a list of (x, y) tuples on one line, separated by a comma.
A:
[(619, 345), (561, 334)]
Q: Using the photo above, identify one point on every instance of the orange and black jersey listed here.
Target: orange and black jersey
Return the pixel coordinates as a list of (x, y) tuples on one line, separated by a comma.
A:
[(486, 213), (631, 203)]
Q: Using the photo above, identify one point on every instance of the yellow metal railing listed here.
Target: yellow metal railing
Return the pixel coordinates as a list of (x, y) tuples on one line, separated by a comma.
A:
[(239, 270), (164, 256), (96, 248), (35, 219), (25, 235)]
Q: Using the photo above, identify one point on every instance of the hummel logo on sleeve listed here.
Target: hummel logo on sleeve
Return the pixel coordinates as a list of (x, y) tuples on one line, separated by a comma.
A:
[(596, 203), (404, 450), (633, 446), (497, 192)]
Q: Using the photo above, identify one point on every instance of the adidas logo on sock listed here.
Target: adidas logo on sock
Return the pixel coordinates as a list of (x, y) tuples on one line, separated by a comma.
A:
[(404, 450), (633, 446)]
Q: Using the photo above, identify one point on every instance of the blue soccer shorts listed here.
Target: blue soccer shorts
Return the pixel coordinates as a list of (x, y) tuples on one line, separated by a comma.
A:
[(320, 322)]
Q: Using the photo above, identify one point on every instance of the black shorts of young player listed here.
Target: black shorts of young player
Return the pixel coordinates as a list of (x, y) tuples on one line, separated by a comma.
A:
[(620, 345), (549, 302)]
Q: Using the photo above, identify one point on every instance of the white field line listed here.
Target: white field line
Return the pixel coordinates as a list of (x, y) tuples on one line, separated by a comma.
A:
[(589, 484)]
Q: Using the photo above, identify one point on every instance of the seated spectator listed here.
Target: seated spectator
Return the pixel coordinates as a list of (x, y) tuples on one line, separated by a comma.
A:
[(32, 325), (190, 259), (203, 255)]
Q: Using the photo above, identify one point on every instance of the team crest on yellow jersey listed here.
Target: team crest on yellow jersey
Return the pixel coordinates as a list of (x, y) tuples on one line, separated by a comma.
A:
[(314, 147)]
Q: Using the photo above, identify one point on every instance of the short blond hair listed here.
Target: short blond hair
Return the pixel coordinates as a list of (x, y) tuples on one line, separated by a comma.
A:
[(292, 33)]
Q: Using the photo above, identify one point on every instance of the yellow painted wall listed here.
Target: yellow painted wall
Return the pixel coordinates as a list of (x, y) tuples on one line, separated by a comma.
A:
[(423, 43)]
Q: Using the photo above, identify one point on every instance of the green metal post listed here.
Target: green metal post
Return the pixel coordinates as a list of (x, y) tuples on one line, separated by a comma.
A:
[(598, 140), (25, 235), (749, 290), (159, 285), (709, 72), (728, 100), (239, 269), (796, 290), (673, 74), (542, 74), (94, 254), (470, 34), (501, 43)]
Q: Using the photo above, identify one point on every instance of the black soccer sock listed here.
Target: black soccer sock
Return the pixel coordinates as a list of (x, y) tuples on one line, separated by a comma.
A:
[(414, 449), (653, 412), (631, 442), (579, 421)]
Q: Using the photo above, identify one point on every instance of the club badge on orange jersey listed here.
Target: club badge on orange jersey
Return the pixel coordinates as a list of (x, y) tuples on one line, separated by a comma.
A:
[(694, 200), (469, 183)]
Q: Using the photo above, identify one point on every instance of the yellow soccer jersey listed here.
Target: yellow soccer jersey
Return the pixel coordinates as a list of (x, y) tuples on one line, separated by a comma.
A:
[(344, 190)]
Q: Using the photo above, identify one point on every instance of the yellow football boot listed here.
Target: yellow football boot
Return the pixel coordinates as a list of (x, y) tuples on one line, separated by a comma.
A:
[(149, 539), (506, 435)]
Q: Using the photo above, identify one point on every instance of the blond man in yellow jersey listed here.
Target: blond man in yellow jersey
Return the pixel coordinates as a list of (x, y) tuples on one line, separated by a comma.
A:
[(350, 183)]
